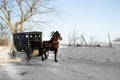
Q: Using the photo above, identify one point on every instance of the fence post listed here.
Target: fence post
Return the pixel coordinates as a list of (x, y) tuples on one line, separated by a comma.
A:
[(109, 40), (84, 40)]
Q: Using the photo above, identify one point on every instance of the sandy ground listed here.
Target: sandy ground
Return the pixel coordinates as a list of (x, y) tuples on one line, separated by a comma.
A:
[(83, 63)]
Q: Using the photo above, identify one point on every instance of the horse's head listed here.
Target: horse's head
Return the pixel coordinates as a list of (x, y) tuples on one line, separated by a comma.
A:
[(56, 35)]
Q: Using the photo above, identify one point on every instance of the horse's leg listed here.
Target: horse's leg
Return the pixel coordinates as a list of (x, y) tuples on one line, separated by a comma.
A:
[(41, 53), (42, 58), (56, 56), (46, 54)]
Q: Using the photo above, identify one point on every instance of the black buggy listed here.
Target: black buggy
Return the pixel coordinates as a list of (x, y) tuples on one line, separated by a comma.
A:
[(26, 42)]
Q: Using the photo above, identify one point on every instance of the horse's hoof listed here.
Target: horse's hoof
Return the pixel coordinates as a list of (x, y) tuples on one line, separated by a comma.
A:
[(28, 59), (56, 60), (43, 59)]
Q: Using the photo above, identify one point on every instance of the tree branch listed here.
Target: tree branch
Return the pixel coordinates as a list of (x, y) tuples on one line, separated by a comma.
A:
[(4, 10), (21, 10), (30, 11), (3, 19)]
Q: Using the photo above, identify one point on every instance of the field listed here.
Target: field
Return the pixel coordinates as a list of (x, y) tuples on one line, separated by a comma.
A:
[(75, 63)]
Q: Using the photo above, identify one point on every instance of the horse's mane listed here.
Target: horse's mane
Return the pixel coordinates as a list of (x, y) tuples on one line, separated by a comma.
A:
[(51, 34)]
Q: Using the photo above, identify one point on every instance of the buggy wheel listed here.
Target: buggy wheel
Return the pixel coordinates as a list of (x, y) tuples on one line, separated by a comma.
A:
[(12, 53)]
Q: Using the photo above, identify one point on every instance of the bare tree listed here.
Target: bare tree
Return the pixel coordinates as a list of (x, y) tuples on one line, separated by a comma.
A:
[(70, 40), (73, 37), (4, 31), (17, 14)]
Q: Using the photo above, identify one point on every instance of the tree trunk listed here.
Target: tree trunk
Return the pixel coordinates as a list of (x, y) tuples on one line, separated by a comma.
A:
[(21, 27)]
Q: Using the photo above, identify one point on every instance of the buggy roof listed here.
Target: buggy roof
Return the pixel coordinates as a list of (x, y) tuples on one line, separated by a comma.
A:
[(27, 33)]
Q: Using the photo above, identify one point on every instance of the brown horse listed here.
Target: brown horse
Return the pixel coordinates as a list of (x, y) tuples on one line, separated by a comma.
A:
[(52, 44)]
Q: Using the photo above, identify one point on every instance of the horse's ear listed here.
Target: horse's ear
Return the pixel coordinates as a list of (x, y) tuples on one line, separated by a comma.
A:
[(57, 31)]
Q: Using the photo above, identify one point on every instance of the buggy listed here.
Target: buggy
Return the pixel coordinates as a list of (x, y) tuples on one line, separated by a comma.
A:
[(26, 42)]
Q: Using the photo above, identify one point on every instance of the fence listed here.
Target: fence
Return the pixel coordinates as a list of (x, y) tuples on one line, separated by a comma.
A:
[(97, 39)]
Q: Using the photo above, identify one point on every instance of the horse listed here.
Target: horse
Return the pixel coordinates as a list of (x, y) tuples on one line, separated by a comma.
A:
[(52, 44)]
